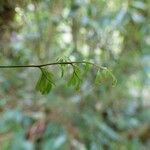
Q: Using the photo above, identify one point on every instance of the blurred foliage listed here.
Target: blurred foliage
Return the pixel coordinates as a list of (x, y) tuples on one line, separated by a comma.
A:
[(114, 34)]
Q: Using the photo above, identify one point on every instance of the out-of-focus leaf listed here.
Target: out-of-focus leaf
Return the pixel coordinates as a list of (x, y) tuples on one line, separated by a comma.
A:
[(137, 16), (109, 132), (23, 143), (55, 137), (133, 144), (98, 77), (103, 75), (56, 143), (86, 68), (78, 145), (139, 5), (114, 80)]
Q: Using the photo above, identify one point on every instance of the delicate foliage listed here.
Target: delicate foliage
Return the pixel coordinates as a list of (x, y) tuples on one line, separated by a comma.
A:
[(45, 82), (62, 66), (76, 78), (104, 75), (110, 33), (98, 77), (108, 75)]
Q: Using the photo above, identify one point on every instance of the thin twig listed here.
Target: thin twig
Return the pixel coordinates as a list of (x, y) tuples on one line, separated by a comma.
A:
[(50, 64)]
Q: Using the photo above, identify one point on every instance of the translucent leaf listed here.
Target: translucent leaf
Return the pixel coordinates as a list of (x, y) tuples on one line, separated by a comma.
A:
[(104, 75), (86, 67), (48, 75), (98, 77), (114, 80), (72, 80), (77, 72), (45, 82), (62, 66), (62, 71), (76, 78)]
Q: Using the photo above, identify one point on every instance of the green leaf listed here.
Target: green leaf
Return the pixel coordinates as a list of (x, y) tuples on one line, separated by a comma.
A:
[(86, 67), (114, 80), (76, 78), (62, 66), (105, 75), (45, 82), (62, 71), (72, 81), (77, 72), (98, 78)]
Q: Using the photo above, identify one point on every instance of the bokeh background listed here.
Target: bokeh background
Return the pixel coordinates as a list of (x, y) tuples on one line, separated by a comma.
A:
[(111, 33)]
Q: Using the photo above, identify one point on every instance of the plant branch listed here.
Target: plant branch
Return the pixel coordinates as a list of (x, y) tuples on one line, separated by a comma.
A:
[(51, 64)]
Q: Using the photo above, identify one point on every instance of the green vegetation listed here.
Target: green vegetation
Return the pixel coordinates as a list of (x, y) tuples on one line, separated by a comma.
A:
[(74, 75)]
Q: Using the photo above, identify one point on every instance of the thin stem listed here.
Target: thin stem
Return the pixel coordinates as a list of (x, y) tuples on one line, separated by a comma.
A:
[(50, 64)]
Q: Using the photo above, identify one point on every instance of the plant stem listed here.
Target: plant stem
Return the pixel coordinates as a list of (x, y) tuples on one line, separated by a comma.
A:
[(50, 64)]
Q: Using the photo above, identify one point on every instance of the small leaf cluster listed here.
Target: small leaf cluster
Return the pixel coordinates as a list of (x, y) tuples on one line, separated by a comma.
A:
[(46, 80), (104, 75)]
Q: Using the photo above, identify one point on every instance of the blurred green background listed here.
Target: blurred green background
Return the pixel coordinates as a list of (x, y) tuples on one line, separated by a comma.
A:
[(111, 33)]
